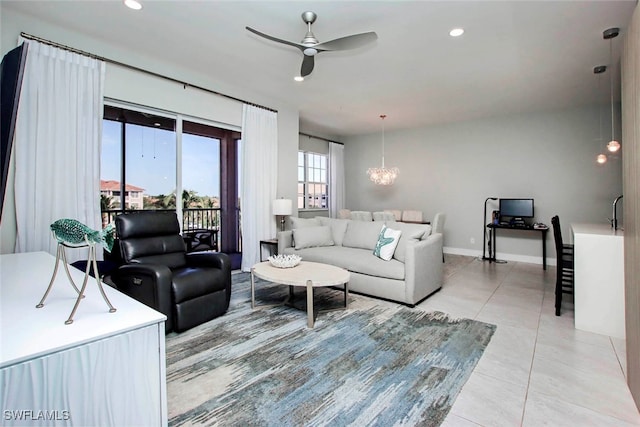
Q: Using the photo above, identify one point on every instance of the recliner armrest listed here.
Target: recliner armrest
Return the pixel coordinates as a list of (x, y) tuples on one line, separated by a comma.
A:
[(148, 283), (213, 260), (209, 259)]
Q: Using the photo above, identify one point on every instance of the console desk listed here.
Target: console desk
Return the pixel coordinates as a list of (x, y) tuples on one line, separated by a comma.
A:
[(494, 227), (104, 369)]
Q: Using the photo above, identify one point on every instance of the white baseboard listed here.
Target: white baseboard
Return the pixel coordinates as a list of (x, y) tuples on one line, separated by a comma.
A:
[(504, 256)]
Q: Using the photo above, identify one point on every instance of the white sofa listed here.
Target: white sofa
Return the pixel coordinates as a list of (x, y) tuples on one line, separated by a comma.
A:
[(414, 272)]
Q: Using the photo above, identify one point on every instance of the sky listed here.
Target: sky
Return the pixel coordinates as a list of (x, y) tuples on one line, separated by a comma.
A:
[(151, 160)]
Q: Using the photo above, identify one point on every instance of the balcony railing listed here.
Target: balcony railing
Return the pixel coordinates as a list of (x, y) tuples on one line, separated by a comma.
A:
[(200, 226)]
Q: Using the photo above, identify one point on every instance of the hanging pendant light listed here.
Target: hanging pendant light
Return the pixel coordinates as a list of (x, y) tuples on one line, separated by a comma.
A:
[(383, 175), (613, 145), (601, 158)]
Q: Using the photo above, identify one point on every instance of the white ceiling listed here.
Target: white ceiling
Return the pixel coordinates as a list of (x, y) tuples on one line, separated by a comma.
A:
[(515, 56)]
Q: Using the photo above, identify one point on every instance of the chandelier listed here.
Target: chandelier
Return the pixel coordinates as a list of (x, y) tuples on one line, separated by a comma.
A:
[(383, 175)]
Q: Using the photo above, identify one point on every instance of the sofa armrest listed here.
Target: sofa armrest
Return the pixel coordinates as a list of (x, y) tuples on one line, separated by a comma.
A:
[(285, 240), (423, 267), (148, 283)]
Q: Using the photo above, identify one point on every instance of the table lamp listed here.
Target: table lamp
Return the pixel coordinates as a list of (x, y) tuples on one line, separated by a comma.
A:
[(282, 207)]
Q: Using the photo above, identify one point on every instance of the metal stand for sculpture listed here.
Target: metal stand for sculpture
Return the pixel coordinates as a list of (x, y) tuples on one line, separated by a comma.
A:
[(73, 234)]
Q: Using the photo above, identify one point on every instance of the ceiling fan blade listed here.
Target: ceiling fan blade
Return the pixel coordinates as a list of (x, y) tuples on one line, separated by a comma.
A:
[(307, 65), (348, 42), (275, 39)]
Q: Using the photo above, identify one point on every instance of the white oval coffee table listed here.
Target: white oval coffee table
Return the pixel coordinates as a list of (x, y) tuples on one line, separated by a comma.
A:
[(306, 274)]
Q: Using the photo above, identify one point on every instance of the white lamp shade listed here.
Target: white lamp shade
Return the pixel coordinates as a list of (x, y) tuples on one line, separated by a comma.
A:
[(282, 207)]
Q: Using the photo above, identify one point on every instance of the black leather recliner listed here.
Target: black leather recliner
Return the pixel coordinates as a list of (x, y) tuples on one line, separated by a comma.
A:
[(189, 289)]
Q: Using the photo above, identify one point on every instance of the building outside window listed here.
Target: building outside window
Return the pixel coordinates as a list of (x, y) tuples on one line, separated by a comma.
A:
[(110, 195), (312, 180)]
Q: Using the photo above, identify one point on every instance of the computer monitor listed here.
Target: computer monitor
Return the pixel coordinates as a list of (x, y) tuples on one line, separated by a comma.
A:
[(516, 208)]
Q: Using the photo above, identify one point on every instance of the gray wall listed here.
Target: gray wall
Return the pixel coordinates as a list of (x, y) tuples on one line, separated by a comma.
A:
[(453, 168)]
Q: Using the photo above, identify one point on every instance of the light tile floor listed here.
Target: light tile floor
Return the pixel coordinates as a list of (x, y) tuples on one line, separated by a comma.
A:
[(538, 370)]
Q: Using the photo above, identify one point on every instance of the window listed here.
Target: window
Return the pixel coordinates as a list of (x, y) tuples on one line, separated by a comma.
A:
[(312, 180), (138, 160), (140, 170)]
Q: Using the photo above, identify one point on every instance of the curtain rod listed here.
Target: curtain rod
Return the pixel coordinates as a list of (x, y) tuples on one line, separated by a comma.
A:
[(142, 70), (321, 138)]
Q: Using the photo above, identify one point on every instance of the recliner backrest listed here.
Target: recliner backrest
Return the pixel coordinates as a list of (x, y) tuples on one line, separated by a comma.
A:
[(150, 237)]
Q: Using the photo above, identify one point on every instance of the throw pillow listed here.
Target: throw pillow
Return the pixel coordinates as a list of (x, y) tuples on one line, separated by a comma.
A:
[(387, 242), (309, 237), (411, 233), (297, 222), (361, 234), (338, 228)]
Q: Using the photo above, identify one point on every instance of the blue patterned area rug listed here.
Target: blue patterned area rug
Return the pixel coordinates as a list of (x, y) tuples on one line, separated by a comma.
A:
[(376, 363)]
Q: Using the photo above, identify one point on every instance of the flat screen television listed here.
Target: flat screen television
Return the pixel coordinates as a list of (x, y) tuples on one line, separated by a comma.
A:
[(516, 208), (11, 71)]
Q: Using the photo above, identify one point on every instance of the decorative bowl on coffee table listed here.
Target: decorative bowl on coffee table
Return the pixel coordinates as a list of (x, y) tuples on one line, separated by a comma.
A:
[(284, 261)]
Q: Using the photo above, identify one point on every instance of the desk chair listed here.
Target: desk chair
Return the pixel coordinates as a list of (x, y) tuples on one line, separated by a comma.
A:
[(344, 214), (564, 269), (411, 216), (397, 213)]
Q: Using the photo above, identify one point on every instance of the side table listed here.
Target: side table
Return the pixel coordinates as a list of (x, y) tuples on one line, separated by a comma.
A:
[(270, 243)]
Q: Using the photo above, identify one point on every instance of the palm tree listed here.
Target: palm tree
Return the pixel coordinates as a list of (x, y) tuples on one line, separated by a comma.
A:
[(106, 202), (190, 199)]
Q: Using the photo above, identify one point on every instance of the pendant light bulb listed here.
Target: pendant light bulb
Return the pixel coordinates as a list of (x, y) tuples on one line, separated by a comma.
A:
[(601, 159)]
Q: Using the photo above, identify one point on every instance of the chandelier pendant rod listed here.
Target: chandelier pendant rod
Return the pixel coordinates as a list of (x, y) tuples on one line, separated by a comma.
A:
[(611, 84), (383, 116)]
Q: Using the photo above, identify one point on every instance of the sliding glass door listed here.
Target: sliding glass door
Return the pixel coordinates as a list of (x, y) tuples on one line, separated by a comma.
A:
[(156, 161)]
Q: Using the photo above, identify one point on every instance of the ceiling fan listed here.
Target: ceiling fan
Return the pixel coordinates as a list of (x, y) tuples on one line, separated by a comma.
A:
[(310, 46)]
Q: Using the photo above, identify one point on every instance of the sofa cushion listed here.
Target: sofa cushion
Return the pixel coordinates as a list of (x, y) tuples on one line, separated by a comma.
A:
[(387, 242), (338, 227), (410, 233), (361, 234), (352, 259), (308, 237)]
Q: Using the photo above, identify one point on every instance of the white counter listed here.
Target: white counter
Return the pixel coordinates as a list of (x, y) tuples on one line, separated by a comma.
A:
[(599, 279), (103, 369)]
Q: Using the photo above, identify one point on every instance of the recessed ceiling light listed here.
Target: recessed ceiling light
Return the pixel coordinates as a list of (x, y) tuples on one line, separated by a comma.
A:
[(298, 78), (133, 4), (456, 32)]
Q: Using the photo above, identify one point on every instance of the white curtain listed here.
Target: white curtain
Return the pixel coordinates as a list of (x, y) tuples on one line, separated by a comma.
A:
[(57, 145), (259, 180), (336, 181)]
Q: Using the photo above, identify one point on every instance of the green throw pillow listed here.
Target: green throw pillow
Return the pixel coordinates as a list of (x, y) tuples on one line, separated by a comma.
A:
[(387, 242)]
